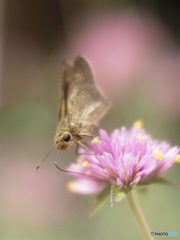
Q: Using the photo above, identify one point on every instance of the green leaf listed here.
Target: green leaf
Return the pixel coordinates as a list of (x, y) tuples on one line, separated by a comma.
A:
[(162, 181), (117, 194), (100, 201)]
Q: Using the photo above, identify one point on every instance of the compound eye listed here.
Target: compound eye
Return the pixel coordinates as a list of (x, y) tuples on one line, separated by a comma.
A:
[(66, 137)]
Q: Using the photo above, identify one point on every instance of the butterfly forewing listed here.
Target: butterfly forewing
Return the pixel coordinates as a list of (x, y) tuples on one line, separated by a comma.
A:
[(82, 104), (67, 72), (85, 102)]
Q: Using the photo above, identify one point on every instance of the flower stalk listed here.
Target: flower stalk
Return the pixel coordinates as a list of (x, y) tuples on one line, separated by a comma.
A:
[(139, 216)]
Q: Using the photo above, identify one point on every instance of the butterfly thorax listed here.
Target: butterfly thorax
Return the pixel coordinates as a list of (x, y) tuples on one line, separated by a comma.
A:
[(68, 136)]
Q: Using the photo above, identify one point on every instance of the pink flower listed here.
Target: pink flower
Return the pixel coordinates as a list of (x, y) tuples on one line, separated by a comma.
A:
[(124, 159)]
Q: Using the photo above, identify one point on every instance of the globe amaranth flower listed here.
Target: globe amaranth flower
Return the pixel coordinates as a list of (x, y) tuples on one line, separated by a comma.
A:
[(120, 161)]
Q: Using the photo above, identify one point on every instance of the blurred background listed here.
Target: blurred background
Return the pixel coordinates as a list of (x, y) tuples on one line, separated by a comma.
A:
[(133, 49)]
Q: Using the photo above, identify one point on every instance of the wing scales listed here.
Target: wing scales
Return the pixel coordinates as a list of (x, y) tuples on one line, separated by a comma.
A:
[(82, 102)]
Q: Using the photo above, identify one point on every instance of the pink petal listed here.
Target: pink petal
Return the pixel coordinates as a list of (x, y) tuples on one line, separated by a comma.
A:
[(85, 186)]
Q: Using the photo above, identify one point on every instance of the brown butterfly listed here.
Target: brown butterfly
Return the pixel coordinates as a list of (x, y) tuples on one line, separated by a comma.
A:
[(82, 105)]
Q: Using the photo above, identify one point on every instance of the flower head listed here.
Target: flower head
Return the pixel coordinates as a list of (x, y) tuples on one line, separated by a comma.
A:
[(123, 159)]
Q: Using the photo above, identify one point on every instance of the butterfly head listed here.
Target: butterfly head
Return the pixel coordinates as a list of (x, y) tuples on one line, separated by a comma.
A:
[(63, 140)]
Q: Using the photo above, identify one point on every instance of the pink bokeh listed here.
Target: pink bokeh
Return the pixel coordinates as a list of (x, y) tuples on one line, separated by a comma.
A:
[(31, 197), (163, 83), (119, 46)]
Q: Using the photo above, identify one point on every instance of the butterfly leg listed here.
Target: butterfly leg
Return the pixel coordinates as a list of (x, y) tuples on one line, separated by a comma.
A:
[(86, 135), (92, 136), (84, 146), (94, 127)]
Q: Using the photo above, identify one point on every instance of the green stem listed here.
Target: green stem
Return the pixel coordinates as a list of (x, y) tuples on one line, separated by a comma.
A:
[(139, 216)]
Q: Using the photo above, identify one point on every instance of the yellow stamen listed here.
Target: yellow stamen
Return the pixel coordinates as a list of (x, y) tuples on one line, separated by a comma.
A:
[(86, 164), (177, 158), (109, 170), (70, 186), (95, 140), (106, 170), (158, 154), (139, 124), (80, 160), (140, 138)]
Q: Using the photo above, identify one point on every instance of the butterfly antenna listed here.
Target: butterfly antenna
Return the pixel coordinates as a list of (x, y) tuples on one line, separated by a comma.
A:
[(38, 166)]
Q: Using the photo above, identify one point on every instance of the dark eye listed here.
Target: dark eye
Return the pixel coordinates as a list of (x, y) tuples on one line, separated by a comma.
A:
[(66, 137)]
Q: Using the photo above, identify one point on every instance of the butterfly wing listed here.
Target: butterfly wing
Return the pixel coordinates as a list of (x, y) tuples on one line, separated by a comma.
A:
[(85, 104), (67, 72), (81, 101)]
